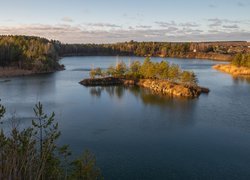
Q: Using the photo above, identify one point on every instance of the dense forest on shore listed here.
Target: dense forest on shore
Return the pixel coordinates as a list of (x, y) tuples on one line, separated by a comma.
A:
[(28, 52), (158, 49), (41, 55)]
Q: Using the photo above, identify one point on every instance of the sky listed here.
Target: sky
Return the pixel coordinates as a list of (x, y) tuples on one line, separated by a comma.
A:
[(110, 21)]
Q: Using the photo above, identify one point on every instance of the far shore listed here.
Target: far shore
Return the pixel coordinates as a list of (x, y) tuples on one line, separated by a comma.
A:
[(233, 70)]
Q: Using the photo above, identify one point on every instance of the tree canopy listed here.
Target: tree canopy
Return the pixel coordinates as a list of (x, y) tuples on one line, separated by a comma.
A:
[(147, 70)]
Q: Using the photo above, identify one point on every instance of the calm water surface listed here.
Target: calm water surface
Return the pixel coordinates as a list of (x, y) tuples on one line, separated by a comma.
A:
[(137, 135)]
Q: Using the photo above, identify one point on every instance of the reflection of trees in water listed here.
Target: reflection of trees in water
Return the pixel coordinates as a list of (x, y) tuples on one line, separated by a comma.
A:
[(96, 91), (112, 91), (240, 80), (173, 110), (148, 97)]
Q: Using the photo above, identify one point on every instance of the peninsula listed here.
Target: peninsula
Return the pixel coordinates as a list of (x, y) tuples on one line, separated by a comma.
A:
[(240, 66)]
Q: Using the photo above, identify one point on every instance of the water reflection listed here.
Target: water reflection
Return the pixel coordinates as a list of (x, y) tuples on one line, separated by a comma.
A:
[(146, 96), (112, 91), (241, 80)]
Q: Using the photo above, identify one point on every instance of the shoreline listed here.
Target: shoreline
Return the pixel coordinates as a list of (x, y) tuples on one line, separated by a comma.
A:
[(233, 70), (16, 72), (198, 55)]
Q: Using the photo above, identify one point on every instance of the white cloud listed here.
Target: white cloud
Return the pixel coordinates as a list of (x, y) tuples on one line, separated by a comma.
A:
[(67, 19), (231, 26), (103, 25)]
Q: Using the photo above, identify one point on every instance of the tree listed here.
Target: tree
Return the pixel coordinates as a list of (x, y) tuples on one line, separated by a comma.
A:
[(162, 70), (96, 72), (174, 72), (148, 69), (85, 167), (188, 78), (120, 69), (134, 69), (237, 60), (48, 133)]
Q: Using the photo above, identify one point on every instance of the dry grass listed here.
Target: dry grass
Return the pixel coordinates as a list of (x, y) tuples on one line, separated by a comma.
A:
[(234, 70)]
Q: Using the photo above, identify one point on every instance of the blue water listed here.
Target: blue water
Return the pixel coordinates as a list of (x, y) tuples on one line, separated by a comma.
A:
[(137, 135)]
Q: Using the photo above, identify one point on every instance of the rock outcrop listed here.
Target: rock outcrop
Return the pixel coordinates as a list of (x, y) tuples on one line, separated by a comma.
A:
[(172, 89), (158, 86)]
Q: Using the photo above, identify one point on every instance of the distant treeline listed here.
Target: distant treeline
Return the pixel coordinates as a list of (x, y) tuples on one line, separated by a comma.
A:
[(40, 54), (162, 49)]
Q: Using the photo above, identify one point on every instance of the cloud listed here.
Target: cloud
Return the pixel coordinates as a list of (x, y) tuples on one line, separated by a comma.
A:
[(69, 33), (215, 22), (231, 26), (189, 24), (103, 25), (143, 27), (67, 19), (165, 24)]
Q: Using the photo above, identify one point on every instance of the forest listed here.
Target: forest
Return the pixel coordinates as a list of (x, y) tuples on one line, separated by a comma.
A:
[(28, 52)]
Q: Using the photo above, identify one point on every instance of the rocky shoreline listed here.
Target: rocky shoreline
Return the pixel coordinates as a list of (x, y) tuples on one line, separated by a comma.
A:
[(14, 72), (158, 86), (232, 69)]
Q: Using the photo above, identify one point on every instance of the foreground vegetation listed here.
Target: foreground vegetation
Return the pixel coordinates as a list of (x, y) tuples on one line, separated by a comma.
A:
[(147, 70), (33, 153)]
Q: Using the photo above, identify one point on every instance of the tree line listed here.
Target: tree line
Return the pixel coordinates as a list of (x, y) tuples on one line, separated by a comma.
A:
[(33, 153), (147, 70)]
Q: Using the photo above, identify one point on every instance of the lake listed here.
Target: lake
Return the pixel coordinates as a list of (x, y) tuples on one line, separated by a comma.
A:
[(136, 134)]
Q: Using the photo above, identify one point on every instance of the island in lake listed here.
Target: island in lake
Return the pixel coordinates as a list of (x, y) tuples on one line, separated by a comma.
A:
[(162, 78)]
